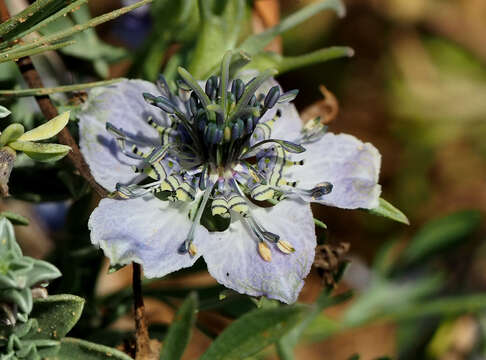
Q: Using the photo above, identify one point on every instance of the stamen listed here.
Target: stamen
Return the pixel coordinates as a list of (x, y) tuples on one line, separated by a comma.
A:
[(264, 251), (186, 245), (285, 247), (272, 97)]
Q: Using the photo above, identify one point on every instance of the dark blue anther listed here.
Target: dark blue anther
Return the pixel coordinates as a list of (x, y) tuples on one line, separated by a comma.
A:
[(272, 97), (321, 190), (165, 105), (238, 88), (219, 136), (212, 87), (249, 124), (149, 98), (253, 100), (183, 248), (211, 133), (237, 130), (193, 105)]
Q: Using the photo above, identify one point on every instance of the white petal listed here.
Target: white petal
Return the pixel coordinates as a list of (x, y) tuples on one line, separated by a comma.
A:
[(351, 166), (123, 105), (233, 259), (147, 231)]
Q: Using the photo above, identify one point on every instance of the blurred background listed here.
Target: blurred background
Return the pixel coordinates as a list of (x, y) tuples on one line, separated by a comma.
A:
[(416, 89)]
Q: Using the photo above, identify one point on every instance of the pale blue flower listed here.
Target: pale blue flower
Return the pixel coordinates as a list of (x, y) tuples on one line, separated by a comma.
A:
[(228, 155)]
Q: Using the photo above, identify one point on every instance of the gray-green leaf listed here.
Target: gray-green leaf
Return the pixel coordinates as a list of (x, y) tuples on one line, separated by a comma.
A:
[(389, 211), (40, 151), (180, 330), (76, 349), (253, 332), (4, 112), (441, 233), (56, 315), (16, 219)]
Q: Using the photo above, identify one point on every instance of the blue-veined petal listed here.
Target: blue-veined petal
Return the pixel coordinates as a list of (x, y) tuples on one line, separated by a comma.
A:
[(123, 105), (351, 166), (233, 259), (145, 230)]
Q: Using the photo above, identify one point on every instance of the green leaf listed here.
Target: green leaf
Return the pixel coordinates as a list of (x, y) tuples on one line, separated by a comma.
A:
[(20, 297), (179, 332), (253, 332), (387, 210), (7, 239), (42, 271), (11, 133), (440, 234), (56, 315), (257, 43), (288, 342), (283, 64), (4, 112), (385, 297), (16, 219), (76, 349), (40, 151), (47, 130), (218, 34)]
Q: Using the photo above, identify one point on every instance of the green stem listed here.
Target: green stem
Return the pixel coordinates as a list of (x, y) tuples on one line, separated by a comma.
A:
[(57, 89)]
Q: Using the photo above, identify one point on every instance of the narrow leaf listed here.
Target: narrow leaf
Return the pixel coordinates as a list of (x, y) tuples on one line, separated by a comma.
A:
[(287, 63), (256, 43), (440, 234), (47, 130), (253, 332), (16, 219), (389, 211), (180, 330)]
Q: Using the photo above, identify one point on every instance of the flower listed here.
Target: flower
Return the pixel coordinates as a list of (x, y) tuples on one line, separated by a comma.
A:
[(222, 155)]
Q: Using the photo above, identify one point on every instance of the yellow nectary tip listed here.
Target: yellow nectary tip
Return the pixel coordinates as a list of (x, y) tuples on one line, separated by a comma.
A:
[(227, 134), (264, 251), (192, 249), (285, 247)]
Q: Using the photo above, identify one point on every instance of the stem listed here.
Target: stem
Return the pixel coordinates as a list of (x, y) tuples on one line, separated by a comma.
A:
[(142, 340), (57, 89)]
